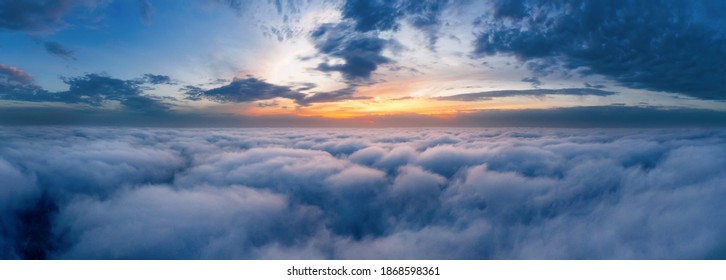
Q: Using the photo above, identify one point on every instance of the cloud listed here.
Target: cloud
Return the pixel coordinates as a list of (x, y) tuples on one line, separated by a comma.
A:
[(583, 117), (486, 193), (595, 116), (146, 10), (385, 15), (246, 90), (12, 75), (426, 16), (157, 79), (59, 50), (95, 90), (621, 41), (489, 95), (251, 89), (372, 15), (15, 83), (211, 221), (35, 16), (332, 96), (357, 38), (361, 52), (532, 80)]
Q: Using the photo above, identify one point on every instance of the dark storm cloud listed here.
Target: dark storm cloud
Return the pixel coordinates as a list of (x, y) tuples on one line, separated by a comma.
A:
[(661, 46), (32, 16), (488, 95), (59, 50), (79, 193)]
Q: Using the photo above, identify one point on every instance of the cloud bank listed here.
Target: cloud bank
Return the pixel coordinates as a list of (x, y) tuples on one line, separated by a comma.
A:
[(99, 193)]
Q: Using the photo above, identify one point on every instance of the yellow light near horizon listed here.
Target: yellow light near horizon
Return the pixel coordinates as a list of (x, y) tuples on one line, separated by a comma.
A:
[(357, 108)]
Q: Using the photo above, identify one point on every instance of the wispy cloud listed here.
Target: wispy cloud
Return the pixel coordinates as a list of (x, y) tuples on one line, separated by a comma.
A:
[(59, 50), (489, 95)]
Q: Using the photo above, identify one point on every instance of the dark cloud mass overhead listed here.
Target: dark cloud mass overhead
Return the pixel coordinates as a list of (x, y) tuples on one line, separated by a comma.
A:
[(102, 193), (670, 46)]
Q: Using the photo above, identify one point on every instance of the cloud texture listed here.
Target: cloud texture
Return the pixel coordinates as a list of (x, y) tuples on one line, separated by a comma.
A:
[(82, 193), (625, 41)]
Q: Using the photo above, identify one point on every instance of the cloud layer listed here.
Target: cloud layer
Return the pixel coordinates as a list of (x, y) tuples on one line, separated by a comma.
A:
[(81, 193)]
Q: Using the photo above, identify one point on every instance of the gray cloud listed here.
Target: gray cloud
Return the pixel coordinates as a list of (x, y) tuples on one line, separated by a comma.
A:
[(245, 90), (448, 193), (621, 40), (16, 83), (361, 52), (596, 116), (13, 76), (357, 41), (532, 80), (385, 15), (59, 50), (91, 89), (157, 79), (488, 95), (32, 16), (252, 89)]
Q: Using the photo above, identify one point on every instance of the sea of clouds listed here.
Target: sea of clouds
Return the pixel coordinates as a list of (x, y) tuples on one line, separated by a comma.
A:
[(411, 193)]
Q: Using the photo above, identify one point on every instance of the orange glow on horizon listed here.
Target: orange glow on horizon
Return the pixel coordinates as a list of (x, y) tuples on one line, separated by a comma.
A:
[(348, 109)]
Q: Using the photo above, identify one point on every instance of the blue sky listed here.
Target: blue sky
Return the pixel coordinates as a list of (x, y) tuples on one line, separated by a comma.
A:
[(348, 63)]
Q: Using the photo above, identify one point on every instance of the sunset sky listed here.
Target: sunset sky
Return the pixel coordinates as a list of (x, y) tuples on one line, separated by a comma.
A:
[(388, 63), (362, 129)]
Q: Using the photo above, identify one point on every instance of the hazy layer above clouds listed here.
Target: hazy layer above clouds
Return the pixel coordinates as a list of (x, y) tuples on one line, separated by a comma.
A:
[(95, 193)]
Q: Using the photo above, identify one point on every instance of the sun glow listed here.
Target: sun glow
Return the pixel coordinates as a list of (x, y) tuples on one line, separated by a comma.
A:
[(380, 106)]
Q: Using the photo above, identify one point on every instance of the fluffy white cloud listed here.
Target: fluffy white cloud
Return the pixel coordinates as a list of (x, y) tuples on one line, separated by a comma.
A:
[(403, 193)]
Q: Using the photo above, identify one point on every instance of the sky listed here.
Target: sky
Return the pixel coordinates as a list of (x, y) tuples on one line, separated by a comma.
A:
[(362, 63)]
